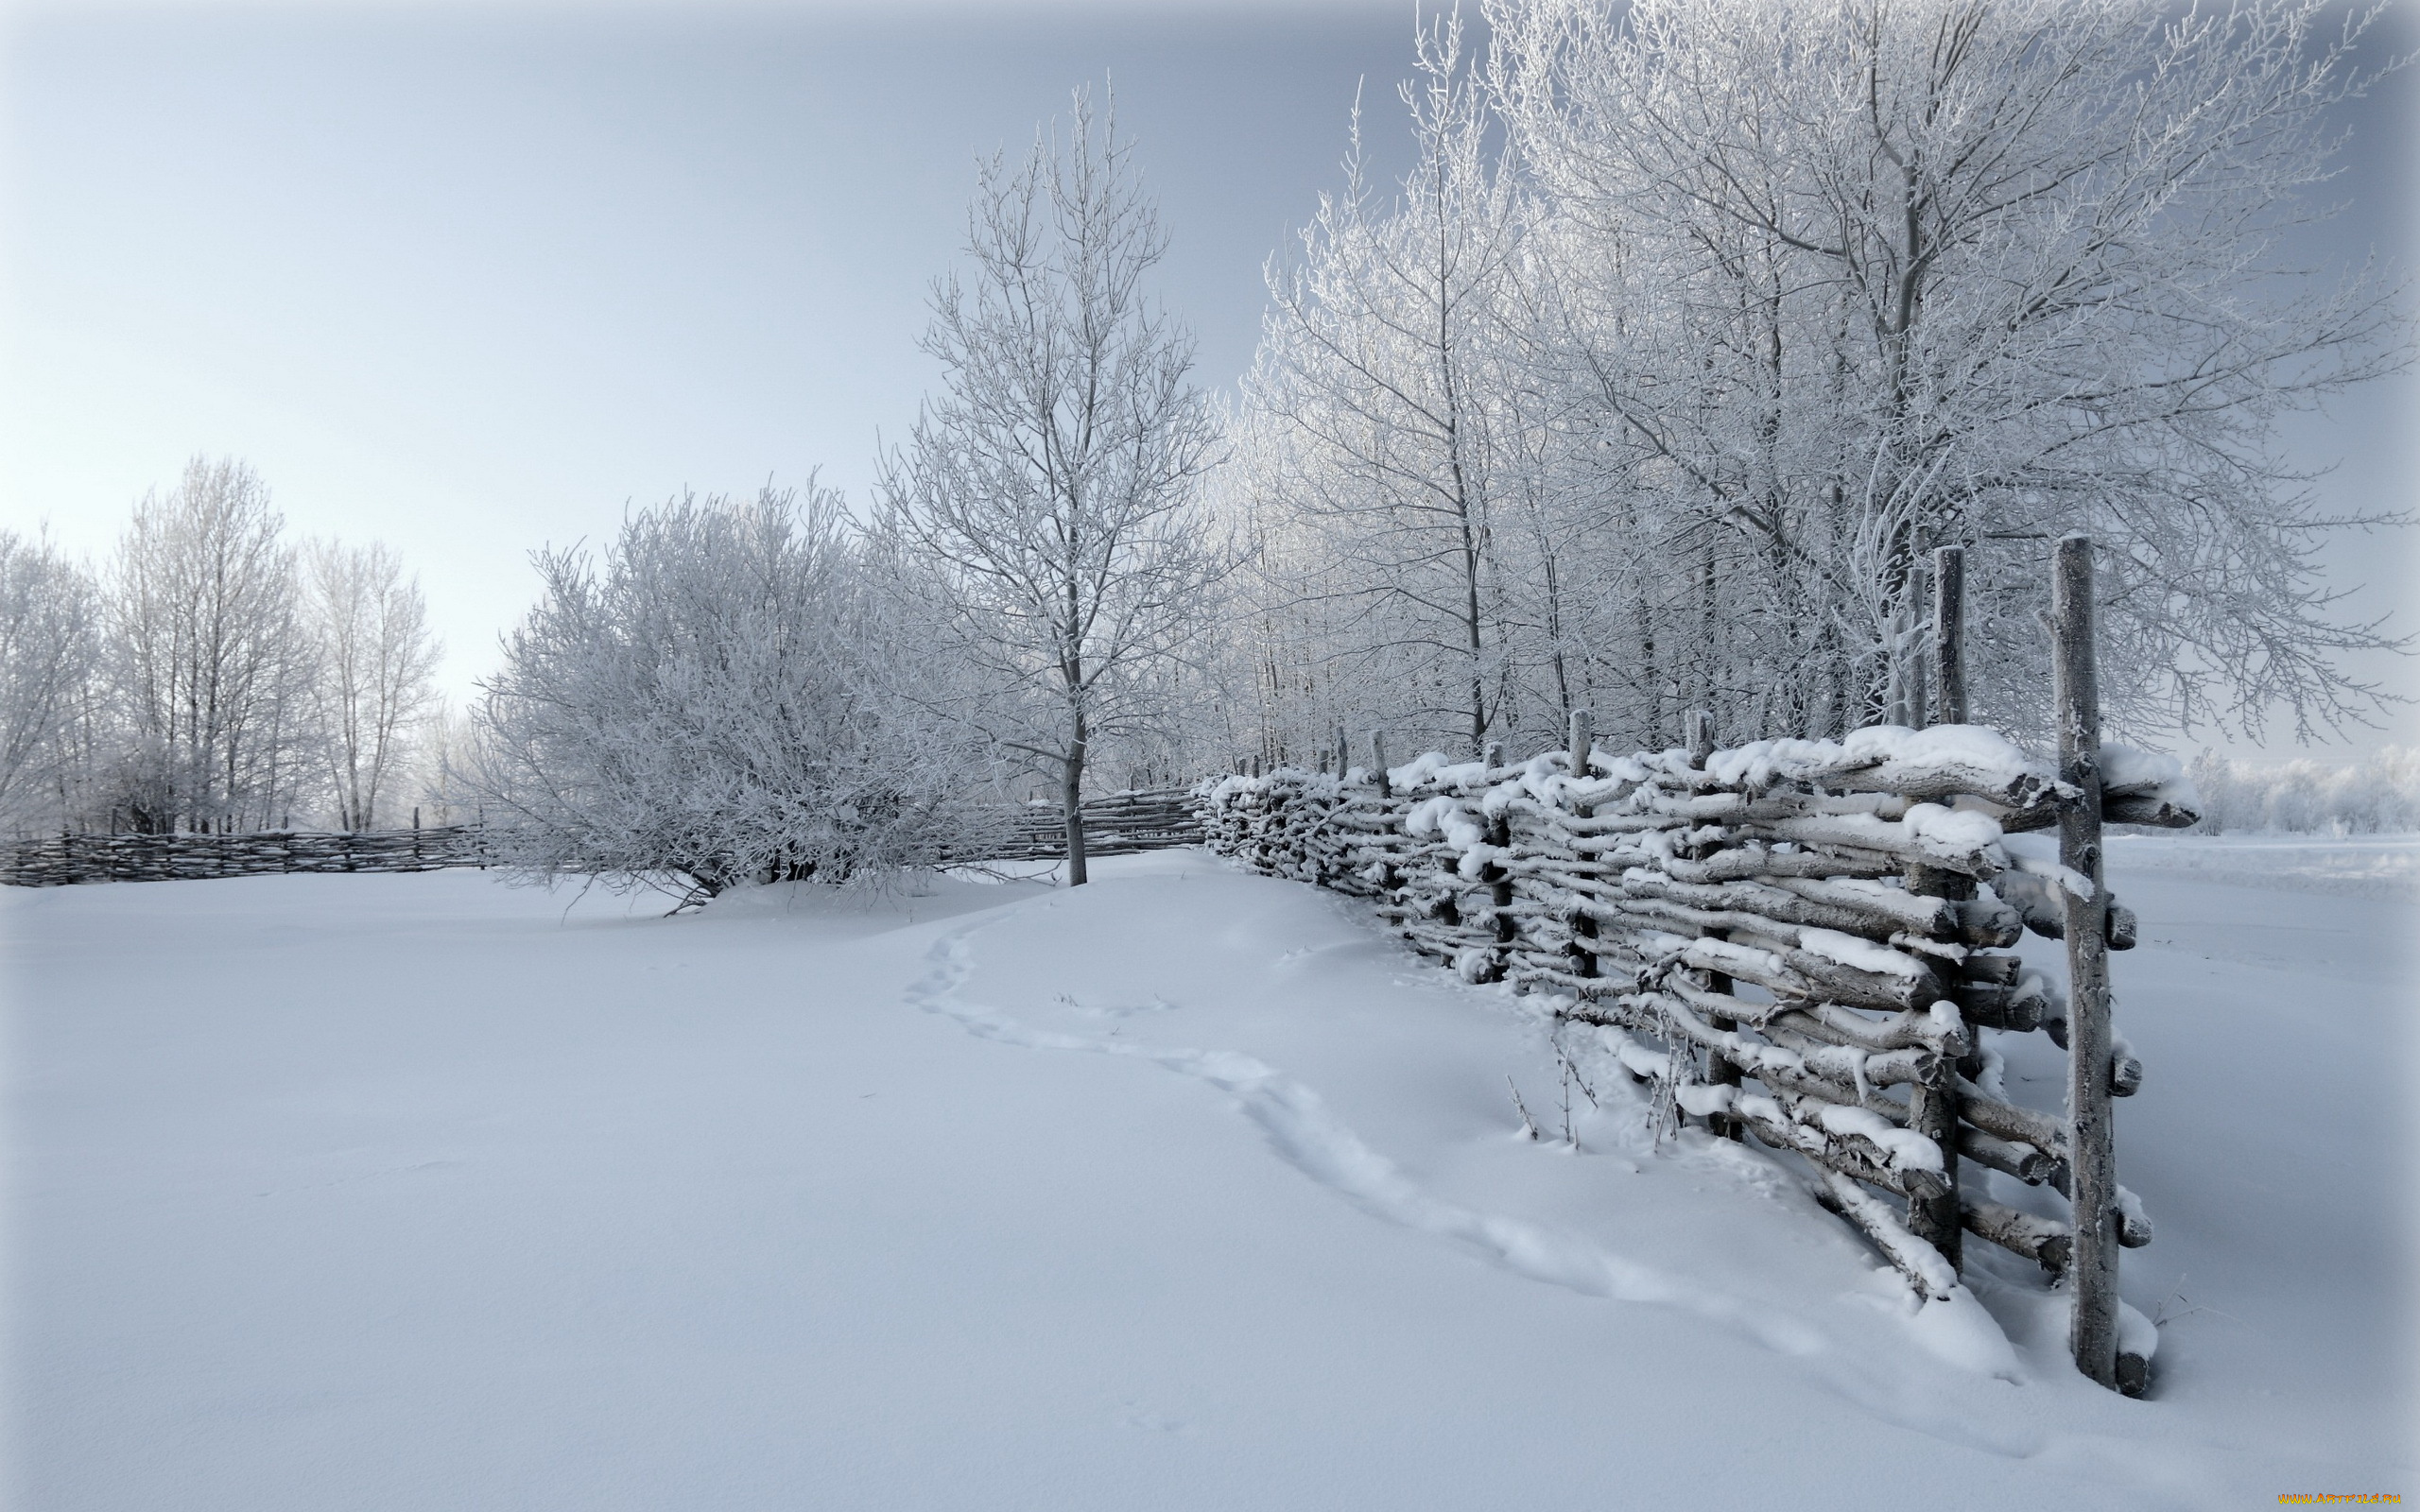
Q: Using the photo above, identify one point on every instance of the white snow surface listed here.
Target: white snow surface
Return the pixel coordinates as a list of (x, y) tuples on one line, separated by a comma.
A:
[(1186, 1189)]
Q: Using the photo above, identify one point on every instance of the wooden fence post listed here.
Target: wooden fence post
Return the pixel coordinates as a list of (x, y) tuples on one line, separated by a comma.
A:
[(1699, 726), (1581, 743), (1949, 633), (1918, 685), (1933, 1103), (1379, 760), (2092, 1273), (1499, 882)]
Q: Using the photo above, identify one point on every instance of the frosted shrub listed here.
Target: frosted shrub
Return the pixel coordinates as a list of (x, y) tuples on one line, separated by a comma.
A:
[(2377, 795), (722, 699)]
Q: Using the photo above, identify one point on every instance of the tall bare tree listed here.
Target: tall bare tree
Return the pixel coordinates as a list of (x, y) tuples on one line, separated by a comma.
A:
[(211, 664), (49, 656), (1974, 273), (375, 659), (1380, 370), (1047, 497)]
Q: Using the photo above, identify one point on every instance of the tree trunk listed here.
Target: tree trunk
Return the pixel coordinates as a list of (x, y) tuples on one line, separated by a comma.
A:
[(1071, 797)]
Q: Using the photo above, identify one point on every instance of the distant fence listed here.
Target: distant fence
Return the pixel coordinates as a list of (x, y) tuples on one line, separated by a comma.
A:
[(1114, 825), (1117, 825), (60, 860), (1797, 940)]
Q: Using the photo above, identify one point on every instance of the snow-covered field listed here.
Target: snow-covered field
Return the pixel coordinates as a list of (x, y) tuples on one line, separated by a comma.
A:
[(1188, 1189)]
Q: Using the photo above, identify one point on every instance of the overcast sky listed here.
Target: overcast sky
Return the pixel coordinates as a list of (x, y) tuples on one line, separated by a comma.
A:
[(470, 279)]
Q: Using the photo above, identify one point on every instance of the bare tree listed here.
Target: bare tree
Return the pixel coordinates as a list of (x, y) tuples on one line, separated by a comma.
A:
[(212, 665), (1379, 370), (1954, 272), (1049, 494), (1798, 294), (374, 661), (49, 656)]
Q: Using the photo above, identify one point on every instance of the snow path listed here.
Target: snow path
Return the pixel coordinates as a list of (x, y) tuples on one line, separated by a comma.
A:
[(1311, 1139), (1300, 1127)]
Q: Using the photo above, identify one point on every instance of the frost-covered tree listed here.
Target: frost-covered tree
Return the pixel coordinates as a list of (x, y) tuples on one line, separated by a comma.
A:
[(49, 659), (1794, 295), (375, 659), (721, 697), (210, 662), (1971, 273), (1045, 499), (1383, 418)]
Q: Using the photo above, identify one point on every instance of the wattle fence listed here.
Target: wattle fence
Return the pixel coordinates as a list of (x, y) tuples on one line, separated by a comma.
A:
[(1118, 824), (1114, 825), (61, 860), (1797, 940)]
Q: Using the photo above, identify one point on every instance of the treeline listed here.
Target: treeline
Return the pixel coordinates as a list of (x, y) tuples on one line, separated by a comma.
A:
[(1698, 324), (2379, 794), (210, 677)]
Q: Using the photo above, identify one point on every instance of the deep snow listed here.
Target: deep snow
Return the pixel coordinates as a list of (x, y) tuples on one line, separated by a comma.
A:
[(1186, 1189)]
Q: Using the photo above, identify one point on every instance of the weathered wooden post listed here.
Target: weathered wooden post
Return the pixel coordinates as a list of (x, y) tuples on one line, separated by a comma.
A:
[(2092, 1269), (1390, 880), (1699, 726), (1918, 685), (1499, 882), (1932, 1102), (1949, 633), (1582, 742)]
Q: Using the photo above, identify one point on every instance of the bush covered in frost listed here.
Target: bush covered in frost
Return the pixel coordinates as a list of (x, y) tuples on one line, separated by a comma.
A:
[(2377, 795), (725, 697)]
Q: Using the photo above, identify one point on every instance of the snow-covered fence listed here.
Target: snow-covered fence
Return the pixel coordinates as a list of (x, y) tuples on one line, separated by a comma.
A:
[(61, 859), (1795, 940), (1114, 825)]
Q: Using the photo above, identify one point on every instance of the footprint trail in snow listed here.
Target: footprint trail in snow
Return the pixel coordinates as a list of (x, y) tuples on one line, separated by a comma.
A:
[(1314, 1140)]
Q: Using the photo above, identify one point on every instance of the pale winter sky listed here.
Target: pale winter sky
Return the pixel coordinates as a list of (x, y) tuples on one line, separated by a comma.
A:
[(470, 279)]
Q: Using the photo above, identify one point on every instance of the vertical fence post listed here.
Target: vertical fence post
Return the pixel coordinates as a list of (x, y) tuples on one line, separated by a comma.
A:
[(1932, 1102), (1698, 723), (1918, 683), (1949, 633), (1581, 743), (1378, 762), (1499, 882), (2092, 1332)]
